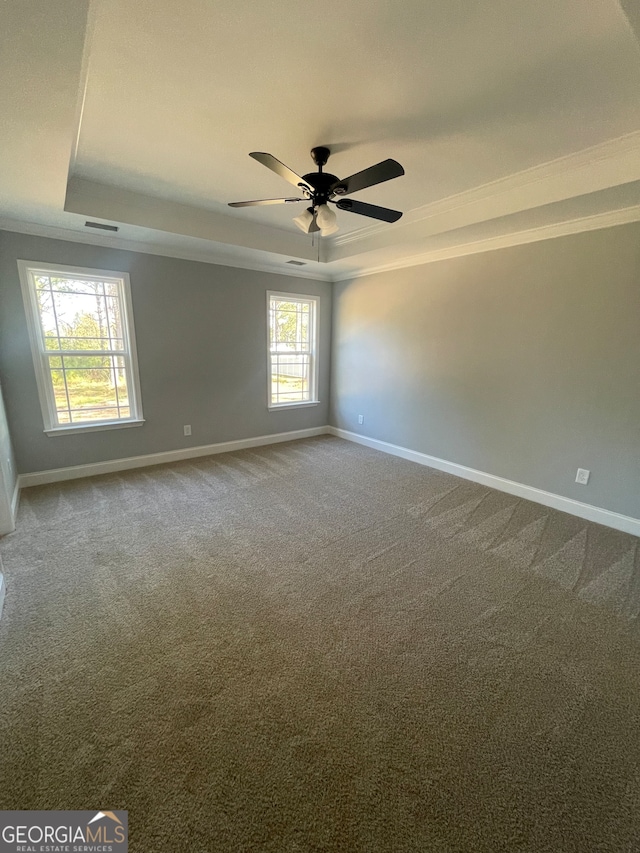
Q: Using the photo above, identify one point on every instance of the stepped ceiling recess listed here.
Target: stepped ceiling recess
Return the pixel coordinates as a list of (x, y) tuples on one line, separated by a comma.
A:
[(514, 121)]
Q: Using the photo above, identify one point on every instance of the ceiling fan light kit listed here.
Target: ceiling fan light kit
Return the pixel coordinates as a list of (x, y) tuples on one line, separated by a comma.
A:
[(326, 219), (306, 221), (321, 189)]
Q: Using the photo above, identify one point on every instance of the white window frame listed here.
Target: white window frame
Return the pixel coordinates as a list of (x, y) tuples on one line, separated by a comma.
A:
[(314, 302), (27, 270)]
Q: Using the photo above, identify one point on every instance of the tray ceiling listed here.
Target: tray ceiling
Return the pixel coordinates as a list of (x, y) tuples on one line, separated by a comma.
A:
[(143, 114)]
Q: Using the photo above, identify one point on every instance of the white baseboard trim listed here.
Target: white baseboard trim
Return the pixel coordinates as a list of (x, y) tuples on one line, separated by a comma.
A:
[(56, 475), (591, 513)]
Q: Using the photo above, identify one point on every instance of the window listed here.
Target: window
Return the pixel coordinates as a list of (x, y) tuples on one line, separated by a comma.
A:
[(81, 330), (293, 363)]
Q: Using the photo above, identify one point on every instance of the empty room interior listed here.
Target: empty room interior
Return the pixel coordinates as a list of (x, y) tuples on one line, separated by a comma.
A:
[(320, 425)]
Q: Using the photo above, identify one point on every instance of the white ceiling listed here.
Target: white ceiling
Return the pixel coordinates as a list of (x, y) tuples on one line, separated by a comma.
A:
[(143, 114)]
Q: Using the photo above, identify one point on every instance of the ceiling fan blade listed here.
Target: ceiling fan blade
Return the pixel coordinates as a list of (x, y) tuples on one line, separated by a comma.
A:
[(377, 174), (264, 201), (372, 210), (276, 166)]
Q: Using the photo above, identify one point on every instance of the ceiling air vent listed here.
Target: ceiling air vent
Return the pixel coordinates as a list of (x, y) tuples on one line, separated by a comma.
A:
[(101, 226), (297, 263)]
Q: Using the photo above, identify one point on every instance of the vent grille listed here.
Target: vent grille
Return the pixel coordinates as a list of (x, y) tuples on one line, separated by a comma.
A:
[(101, 226), (297, 263)]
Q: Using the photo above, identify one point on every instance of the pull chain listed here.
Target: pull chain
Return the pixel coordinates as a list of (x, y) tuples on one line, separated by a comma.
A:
[(313, 243)]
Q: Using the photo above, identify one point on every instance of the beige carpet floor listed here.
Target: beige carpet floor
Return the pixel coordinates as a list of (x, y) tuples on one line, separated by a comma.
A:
[(317, 647)]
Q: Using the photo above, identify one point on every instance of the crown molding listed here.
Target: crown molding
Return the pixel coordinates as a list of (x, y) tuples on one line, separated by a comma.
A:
[(608, 164), (601, 166), (213, 256), (118, 204), (607, 219), (594, 222)]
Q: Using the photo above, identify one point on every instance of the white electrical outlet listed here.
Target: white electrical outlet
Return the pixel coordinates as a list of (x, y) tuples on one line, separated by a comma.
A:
[(360, 419), (187, 429), (582, 476)]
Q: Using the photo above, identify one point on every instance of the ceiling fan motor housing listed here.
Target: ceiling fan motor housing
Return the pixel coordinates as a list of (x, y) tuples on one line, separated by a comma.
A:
[(321, 183)]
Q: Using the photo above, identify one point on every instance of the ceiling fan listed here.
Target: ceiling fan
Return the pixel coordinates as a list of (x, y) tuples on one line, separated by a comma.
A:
[(321, 188)]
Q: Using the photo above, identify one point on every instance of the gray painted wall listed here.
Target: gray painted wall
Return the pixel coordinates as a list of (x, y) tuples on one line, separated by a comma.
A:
[(202, 337), (523, 363)]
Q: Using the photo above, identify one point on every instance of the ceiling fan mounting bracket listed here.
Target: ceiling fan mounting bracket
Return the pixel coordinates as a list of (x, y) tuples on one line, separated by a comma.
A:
[(320, 155)]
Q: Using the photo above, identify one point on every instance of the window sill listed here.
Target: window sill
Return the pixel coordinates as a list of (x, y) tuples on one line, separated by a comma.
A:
[(65, 430), (278, 406)]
